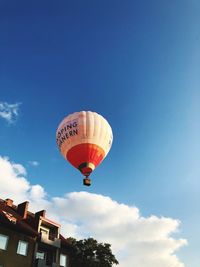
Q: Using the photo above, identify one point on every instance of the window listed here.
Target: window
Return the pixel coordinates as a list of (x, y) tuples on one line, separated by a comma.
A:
[(44, 232), (63, 260), (22, 248), (40, 255), (3, 241)]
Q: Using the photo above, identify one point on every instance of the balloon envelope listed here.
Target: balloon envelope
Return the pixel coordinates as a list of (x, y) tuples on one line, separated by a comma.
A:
[(84, 139)]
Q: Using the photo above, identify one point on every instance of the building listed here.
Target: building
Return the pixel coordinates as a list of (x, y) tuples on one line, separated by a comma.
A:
[(30, 239)]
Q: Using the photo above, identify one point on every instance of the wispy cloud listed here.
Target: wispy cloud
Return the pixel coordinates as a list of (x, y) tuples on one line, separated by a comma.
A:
[(33, 163), (9, 112), (136, 240)]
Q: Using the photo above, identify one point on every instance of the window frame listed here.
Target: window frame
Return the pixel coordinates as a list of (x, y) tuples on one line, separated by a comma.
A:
[(6, 243), (61, 255), (18, 248), (41, 252)]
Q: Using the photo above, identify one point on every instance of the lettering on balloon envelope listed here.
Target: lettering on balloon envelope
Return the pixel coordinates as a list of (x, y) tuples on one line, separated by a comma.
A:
[(68, 129)]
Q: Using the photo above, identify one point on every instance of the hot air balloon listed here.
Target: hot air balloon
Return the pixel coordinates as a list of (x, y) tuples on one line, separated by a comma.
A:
[(84, 139)]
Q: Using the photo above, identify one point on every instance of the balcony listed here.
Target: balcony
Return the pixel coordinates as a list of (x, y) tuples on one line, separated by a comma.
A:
[(50, 240), (42, 263)]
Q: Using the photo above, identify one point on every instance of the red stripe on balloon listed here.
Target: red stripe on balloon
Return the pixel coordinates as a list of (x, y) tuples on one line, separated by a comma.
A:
[(85, 152)]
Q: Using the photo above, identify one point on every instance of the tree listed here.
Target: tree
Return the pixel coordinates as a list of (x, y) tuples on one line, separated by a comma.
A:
[(90, 253)]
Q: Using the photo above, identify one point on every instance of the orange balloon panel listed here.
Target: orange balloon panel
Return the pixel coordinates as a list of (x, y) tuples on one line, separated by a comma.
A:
[(85, 157), (84, 139)]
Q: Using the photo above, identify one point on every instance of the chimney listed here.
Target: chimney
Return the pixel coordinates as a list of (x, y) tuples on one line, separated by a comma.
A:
[(9, 202), (40, 213), (37, 217), (22, 209)]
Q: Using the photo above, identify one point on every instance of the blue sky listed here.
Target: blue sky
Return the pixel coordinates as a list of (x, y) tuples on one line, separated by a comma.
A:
[(135, 62)]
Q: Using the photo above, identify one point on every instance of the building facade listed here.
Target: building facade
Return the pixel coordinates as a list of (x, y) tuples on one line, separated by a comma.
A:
[(30, 239)]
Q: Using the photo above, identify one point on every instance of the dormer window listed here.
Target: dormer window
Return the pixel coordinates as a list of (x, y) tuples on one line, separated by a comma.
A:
[(49, 232), (44, 231)]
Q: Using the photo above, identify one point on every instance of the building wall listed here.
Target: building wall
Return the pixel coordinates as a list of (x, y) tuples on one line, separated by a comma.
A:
[(9, 256)]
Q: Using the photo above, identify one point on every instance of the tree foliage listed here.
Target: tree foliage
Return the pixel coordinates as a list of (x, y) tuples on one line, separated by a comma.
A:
[(90, 253)]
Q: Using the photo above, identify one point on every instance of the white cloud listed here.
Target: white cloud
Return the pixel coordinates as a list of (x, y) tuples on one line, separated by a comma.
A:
[(33, 163), (136, 241), (37, 192), (12, 180), (9, 112)]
